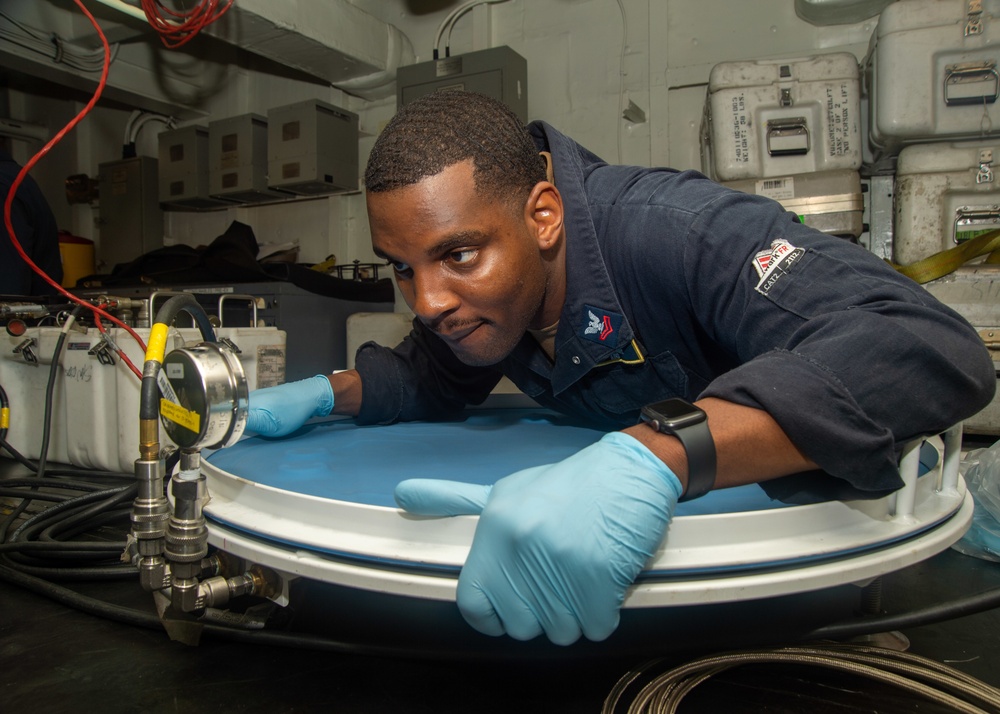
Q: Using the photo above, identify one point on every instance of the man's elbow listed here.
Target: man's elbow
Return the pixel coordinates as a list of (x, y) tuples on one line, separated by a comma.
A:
[(981, 372)]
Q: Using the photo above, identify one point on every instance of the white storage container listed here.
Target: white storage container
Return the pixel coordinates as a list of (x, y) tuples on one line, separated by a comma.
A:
[(974, 293), (931, 72), (829, 201), (95, 414), (945, 193), (781, 117)]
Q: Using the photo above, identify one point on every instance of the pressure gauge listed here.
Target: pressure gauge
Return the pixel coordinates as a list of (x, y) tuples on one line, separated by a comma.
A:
[(203, 396)]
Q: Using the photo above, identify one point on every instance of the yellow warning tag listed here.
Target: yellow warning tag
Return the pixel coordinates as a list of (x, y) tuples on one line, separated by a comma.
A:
[(179, 415)]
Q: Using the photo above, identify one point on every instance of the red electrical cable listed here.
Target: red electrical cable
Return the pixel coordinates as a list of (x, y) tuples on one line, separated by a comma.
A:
[(9, 201), (178, 27)]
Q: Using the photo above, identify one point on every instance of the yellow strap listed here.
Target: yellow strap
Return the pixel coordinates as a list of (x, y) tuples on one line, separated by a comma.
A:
[(948, 261)]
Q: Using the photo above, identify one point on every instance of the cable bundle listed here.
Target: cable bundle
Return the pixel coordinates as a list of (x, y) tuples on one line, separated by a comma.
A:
[(939, 683), (53, 46), (82, 502), (178, 27)]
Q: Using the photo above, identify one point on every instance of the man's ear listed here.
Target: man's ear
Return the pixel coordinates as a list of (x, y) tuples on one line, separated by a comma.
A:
[(543, 213)]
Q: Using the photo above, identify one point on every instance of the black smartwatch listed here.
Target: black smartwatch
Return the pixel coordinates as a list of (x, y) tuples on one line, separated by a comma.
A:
[(689, 424)]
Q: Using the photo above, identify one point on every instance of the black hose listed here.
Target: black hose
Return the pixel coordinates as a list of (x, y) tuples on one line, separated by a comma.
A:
[(940, 612), (149, 403), (46, 425), (14, 493), (56, 546), (72, 472), (4, 404), (187, 303), (87, 514), (64, 485), (120, 516), (148, 620), (39, 520)]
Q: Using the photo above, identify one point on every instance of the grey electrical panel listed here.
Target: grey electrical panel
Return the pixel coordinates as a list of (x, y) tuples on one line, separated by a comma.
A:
[(237, 159), (184, 169), (498, 72), (312, 148), (130, 217)]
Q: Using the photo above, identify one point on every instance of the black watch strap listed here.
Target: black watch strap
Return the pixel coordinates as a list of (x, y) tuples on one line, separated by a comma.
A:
[(700, 448), (689, 424)]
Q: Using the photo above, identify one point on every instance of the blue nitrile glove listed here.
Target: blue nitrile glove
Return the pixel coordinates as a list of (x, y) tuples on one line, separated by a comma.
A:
[(277, 411), (556, 546)]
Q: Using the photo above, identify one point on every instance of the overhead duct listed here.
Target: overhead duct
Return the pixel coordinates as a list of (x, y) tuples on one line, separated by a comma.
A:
[(332, 40)]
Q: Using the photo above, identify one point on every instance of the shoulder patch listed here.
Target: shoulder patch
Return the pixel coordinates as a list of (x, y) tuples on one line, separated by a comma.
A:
[(772, 264), (763, 259)]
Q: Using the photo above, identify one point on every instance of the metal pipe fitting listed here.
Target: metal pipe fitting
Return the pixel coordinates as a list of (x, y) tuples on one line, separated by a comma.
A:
[(149, 516), (187, 542)]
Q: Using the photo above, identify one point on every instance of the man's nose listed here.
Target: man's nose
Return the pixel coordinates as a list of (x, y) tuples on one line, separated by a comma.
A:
[(433, 297)]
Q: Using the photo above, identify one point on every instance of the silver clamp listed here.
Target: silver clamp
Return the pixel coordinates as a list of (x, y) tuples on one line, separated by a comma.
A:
[(24, 349)]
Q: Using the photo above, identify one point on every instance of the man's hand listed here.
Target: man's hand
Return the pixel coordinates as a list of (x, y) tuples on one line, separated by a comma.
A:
[(278, 411), (556, 546)]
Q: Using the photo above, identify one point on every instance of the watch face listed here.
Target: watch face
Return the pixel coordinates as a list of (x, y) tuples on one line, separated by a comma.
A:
[(673, 413)]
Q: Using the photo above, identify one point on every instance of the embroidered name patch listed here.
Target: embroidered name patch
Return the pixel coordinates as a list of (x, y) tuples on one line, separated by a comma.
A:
[(772, 264), (600, 326)]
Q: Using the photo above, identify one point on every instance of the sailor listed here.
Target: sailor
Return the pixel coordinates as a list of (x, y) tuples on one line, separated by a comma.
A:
[(36, 230), (717, 339)]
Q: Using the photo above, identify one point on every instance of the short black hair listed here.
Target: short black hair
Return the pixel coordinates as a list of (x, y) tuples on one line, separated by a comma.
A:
[(443, 128)]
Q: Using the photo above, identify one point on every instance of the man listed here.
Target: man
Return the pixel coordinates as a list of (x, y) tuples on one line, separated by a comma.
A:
[(600, 290), (36, 231)]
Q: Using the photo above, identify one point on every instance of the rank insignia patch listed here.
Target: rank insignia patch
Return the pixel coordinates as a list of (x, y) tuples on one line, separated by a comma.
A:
[(600, 326)]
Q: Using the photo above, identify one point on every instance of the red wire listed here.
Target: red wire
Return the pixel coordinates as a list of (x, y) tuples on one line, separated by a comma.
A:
[(182, 25), (9, 201)]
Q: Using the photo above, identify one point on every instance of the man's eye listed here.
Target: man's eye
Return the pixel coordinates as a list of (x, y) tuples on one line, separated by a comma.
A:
[(462, 256), (397, 266)]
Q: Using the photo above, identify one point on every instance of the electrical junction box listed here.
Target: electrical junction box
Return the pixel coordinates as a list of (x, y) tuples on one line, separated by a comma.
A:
[(498, 72), (312, 148), (184, 169), (130, 217), (237, 159)]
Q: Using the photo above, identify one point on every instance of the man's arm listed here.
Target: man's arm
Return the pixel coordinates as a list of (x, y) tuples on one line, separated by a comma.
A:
[(347, 392), (749, 445)]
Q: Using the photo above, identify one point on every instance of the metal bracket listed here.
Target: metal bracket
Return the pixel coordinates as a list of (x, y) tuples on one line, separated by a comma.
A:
[(103, 351), (24, 349), (985, 174), (231, 345), (991, 338), (974, 18)]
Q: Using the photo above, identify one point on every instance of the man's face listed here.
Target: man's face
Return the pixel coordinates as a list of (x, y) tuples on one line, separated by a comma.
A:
[(471, 270)]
